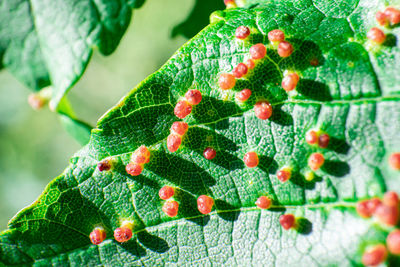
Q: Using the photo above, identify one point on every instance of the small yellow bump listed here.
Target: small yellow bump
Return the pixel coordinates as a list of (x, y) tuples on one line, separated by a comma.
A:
[(309, 176), (127, 224)]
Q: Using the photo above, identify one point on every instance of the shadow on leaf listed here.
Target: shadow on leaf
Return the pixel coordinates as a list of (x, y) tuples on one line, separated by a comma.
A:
[(211, 109), (120, 168), (228, 161), (314, 90), (391, 40), (336, 168), (226, 211), (188, 207), (57, 228), (265, 81), (304, 226), (267, 164), (300, 180), (281, 117), (133, 247), (199, 138), (201, 221), (306, 54), (277, 209), (152, 242), (183, 173), (338, 145)]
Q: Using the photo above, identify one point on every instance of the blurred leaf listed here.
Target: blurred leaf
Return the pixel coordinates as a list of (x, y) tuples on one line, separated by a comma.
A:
[(353, 94), (51, 41), (79, 130), (198, 18), (76, 128)]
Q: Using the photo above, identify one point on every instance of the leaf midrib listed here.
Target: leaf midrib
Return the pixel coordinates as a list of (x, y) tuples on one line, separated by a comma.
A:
[(342, 204)]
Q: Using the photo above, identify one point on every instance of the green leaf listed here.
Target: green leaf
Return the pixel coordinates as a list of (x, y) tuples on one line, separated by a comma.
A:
[(51, 42), (353, 95), (79, 130), (198, 18), (76, 128)]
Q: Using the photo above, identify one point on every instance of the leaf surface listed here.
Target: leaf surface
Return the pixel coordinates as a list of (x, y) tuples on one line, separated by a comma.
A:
[(51, 42), (353, 95)]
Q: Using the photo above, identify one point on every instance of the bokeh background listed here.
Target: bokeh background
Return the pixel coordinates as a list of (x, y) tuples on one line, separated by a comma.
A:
[(34, 148)]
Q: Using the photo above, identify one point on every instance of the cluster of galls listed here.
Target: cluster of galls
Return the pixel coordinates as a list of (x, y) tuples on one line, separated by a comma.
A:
[(121, 234), (285, 49), (170, 207), (386, 211), (389, 17), (179, 128), (316, 160), (184, 107), (140, 157), (287, 221), (262, 109), (251, 160), (177, 132)]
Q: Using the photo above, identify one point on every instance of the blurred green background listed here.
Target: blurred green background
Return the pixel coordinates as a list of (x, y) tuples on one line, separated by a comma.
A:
[(34, 148)]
